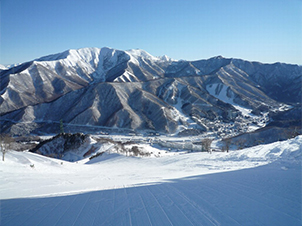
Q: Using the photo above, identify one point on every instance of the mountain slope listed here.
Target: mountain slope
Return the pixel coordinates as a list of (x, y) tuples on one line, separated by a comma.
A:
[(137, 91), (255, 186)]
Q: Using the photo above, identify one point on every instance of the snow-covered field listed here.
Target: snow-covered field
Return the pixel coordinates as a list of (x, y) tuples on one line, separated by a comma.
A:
[(254, 186)]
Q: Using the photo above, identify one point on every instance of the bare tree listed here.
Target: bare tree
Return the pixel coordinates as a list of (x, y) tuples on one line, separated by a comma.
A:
[(226, 144), (5, 144), (291, 132), (206, 144), (241, 143)]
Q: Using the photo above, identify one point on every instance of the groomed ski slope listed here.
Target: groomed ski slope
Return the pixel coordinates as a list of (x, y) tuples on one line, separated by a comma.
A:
[(255, 186)]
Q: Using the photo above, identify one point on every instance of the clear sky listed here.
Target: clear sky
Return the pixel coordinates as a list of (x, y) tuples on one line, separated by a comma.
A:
[(258, 30)]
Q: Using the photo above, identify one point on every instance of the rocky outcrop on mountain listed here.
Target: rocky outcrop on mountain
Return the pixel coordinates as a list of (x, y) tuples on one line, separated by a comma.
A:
[(105, 88)]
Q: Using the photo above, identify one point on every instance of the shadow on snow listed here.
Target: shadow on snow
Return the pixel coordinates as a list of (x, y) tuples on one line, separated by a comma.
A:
[(266, 195)]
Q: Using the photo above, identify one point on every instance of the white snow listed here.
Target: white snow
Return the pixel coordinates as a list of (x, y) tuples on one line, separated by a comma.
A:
[(139, 53), (254, 186), (136, 55), (166, 58), (2, 67), (8, 66), (220, 92)]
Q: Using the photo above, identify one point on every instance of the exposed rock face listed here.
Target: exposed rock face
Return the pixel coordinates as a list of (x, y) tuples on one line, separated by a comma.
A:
[(133, 90)]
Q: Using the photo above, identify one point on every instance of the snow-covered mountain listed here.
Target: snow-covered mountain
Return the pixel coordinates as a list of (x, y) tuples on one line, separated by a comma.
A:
[(93, 88), (2, 67)]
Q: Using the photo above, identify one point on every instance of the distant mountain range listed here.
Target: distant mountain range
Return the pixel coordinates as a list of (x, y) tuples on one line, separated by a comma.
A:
[(94, 89)]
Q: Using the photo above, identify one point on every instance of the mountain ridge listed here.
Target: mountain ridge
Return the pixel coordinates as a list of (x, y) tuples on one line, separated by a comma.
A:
[(181, 93)]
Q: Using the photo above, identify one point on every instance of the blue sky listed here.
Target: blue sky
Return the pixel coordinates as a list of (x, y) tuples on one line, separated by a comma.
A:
[(258, 30)]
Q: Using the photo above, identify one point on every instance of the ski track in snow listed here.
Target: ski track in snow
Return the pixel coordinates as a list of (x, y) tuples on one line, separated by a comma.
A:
[(269, 194), (214, 199)]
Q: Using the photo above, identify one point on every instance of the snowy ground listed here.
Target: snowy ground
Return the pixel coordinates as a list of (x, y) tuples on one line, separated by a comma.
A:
[(255, 186)]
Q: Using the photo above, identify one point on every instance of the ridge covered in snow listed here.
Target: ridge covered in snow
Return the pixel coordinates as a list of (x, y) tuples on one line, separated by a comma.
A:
[(135, 91)]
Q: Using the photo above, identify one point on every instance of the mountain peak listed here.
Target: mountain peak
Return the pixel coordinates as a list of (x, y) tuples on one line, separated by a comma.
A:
[(219, 57), (74, 53), (134, 90), (166, 58), (139, 53), (2, 67)]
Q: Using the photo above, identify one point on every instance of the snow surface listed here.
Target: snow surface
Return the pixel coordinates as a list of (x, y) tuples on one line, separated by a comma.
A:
[(220, 91), (254, 186)]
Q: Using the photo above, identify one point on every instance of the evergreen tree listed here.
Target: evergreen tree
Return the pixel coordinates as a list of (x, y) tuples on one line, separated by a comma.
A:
[(61, 126)]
